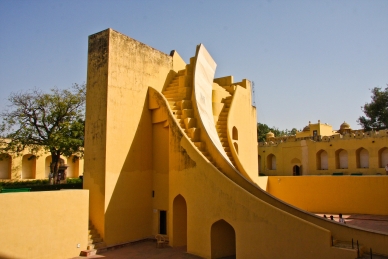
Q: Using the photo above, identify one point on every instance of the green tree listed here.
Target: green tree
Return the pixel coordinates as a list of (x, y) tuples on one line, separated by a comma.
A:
[(37, 121), (263, 129), (376, 112)]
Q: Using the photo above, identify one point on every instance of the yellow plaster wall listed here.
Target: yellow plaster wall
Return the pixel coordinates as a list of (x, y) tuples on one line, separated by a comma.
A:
[(118, 143), (332, 194), (307, 150), (44, 224), (264, 226), (242, 115), (160, 156), (262, 231), (40, 166)]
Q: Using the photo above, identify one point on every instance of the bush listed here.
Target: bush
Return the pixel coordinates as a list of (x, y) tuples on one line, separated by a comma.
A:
[(42, 185), (74, 180)]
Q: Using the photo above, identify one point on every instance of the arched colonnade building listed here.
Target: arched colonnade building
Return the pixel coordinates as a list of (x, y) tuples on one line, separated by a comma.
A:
[(29, 166), (320, 150)]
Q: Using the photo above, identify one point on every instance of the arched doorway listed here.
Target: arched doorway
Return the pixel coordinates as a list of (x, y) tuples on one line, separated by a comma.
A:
[(341, 159), (383, 157), (322, 160), (271, 162), (223, 240), (5, 167), (296, 167), (72, 170), (28, 166), (47, 163), (362, 158), (296, 170), (179, 221)]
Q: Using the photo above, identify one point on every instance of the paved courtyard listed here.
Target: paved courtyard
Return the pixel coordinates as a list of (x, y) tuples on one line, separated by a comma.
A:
[(147, 249)]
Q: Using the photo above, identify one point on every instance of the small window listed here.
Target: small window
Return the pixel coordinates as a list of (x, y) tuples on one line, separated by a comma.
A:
[(234, 133)]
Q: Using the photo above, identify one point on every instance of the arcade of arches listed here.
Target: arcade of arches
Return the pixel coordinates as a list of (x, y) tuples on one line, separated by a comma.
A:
[(29, 166), (321, 150)]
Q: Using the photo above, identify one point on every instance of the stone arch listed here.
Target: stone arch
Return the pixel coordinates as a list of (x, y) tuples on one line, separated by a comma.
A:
[(322, 160), (296, 166), (362, 158), (28, 166), (179, 221), (5, 167), (383, 157), (223, 240), (234, 133), (271, 162), (341, 159), (47, 163)]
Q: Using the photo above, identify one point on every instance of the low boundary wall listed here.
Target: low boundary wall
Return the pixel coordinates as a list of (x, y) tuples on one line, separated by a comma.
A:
[(333, 194), (44, 224)]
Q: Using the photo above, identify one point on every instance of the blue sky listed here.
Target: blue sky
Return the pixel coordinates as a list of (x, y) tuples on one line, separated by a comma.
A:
[(310, 60)]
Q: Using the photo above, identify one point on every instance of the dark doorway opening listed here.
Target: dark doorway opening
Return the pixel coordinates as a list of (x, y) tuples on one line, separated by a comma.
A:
[(163, 222), (296, 170)]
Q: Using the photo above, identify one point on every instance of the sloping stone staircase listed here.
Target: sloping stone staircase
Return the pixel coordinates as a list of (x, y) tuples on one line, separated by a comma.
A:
[(178, 93), (95, 241), (221, 127)]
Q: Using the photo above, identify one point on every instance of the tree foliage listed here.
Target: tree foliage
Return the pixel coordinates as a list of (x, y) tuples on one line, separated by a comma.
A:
[(376, 112), (263, 129), (37, 121)]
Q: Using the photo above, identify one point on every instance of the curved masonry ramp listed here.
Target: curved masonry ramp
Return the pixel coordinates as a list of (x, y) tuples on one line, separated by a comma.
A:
[(204, 71)]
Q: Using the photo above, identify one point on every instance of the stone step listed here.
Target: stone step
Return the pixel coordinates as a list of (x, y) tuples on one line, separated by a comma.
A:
[(177, 112), (99, 246), (194, 134), (88, 253), (94, 235), (92, 231), (200, 145), (176, 90), (185, 104), (227, 101), (190, 122), (187, 113), (177, 96), (95, 240)]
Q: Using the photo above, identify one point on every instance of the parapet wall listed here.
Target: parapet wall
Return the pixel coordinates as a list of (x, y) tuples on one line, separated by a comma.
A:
[(44, 224)]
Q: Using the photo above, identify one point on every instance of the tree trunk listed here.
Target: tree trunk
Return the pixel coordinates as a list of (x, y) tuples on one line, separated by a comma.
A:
[(54, 166)]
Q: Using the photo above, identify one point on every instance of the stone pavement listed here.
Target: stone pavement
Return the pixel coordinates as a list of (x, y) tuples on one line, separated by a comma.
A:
[(144, 249), (371, 222), (147, 248)]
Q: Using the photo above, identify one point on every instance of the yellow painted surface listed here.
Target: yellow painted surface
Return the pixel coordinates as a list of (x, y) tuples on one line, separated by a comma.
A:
[(118, 143), (44, 224), (307, 153), (242, 117), (147, 151), (20, 167), (333, 194)]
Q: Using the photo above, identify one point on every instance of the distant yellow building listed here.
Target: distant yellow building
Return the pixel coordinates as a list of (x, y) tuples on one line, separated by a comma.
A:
[(320, 150), (29, 166)]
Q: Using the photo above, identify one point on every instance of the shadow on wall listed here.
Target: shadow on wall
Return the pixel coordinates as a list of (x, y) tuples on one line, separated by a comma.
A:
[(129, 212)]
